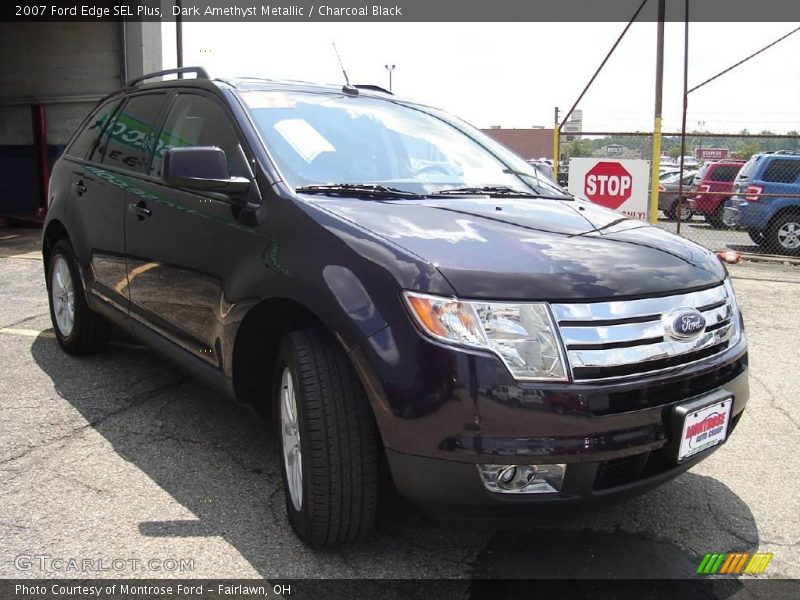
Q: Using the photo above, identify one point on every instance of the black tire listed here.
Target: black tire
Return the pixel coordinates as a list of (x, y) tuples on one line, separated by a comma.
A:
[(338, 441), (715, 218), (757, 236), (90, 331), (775, 241), (672, 212)]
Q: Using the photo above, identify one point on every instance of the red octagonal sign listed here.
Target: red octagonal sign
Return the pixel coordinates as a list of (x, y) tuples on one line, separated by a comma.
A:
[(608, 184)]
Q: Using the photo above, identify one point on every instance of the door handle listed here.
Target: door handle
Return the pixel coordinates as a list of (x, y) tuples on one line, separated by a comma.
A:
[(80, 187), (140, 210)]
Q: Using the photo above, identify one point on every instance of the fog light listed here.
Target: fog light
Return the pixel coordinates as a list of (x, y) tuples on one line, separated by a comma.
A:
[(522, 479)]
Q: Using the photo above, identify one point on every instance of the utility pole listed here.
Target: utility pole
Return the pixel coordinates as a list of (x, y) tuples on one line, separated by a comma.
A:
[(656, 162), (556, 149), (390, 68), (685, 107)]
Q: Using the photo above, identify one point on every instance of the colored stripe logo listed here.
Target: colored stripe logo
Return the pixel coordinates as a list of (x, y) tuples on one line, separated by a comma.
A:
[(734, 563)]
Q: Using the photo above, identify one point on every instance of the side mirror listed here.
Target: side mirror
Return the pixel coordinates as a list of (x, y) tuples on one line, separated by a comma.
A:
[(202, 168)]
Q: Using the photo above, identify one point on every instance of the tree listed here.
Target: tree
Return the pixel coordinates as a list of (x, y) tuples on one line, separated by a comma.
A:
[(578, 148), (748, 149)]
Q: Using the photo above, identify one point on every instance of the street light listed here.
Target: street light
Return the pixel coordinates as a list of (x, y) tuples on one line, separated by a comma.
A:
[(390, 68)]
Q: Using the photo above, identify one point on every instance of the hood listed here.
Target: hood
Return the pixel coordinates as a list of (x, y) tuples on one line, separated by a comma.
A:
[(535, 248)]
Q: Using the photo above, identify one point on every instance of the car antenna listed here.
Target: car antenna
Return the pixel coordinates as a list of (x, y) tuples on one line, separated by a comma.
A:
[(346, 88)]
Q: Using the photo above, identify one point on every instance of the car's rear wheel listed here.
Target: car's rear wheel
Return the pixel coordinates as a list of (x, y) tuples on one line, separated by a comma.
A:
[(679, 207), (78, 329), (716, 219), (784, 234), (329, 441)]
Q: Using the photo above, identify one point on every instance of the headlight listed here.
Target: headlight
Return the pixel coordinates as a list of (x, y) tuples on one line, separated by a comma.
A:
[(522, 335), (737, 320)]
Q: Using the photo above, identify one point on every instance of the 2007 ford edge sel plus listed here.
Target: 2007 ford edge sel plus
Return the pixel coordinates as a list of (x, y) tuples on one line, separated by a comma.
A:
[(396, 290)]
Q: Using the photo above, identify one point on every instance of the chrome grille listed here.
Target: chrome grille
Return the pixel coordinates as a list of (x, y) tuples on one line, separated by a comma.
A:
[(607, 340)]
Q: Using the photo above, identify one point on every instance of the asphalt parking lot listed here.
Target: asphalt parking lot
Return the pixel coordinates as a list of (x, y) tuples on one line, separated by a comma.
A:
[(122, 455)]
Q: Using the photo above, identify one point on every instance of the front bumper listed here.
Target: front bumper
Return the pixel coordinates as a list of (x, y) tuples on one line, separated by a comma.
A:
[(590, 477), (453, 410)]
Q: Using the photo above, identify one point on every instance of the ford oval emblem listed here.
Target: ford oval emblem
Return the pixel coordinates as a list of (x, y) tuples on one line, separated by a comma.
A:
[(684, 323)]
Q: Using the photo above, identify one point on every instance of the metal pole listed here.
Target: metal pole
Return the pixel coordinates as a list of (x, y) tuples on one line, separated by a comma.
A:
[(42, 159), (555, 145), (685, 106), (179, 38), (657, 117)]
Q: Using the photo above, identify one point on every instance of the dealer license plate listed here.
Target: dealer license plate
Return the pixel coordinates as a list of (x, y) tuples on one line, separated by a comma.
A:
[(704, 428)]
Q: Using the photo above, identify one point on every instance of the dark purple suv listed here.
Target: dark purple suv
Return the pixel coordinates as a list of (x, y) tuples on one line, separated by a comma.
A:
[(397, 291)]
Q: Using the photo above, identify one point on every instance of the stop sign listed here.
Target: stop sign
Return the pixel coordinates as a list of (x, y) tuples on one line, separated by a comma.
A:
[(608, 184)]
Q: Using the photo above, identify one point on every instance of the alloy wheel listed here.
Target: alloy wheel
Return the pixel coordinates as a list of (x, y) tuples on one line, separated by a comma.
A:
[(789, 235), (62, 291), (290, 439)]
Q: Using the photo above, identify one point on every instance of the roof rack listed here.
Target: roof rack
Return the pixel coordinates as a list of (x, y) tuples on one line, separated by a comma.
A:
[(200, 73)]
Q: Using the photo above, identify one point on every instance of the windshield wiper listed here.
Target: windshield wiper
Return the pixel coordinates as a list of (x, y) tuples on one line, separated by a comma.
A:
[(487, 190), (357, 189), (492, 190)]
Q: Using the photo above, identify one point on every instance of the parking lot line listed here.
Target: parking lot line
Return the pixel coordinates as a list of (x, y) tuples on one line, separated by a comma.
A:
[(49, 333)]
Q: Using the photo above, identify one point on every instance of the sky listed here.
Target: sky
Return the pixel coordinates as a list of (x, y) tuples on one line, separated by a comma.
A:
[(514, 74)]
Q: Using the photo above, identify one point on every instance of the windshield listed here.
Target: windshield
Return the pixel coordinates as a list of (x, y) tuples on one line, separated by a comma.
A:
[(333, 138)]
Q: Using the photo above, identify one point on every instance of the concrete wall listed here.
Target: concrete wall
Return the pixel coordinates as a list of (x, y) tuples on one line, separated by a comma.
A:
[(67, 67)]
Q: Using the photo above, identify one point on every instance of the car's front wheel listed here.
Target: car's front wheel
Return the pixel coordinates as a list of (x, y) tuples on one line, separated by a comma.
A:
[(329, 441), (757, 236), (78, 329)]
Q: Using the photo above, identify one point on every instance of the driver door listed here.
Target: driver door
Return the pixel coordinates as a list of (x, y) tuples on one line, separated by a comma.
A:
[(180, 242)]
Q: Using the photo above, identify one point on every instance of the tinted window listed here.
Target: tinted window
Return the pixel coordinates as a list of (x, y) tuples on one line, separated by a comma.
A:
[(725, 173), (200, 121), (85, 142), (749, 166), (670, 177), (700, 175), (782, 170), (128, 141)]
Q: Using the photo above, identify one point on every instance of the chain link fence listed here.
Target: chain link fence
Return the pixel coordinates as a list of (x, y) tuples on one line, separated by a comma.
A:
[(737, 192)]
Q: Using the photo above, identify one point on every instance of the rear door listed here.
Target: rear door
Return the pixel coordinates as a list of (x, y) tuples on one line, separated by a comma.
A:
[(95, 216), (180, 243), (99, 157)]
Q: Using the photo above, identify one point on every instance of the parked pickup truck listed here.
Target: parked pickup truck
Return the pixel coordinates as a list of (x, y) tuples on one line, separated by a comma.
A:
[(397, 291)]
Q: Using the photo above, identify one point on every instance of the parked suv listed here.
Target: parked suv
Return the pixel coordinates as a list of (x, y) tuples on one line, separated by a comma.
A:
[(398, 291), (713, 184), (767, 201)]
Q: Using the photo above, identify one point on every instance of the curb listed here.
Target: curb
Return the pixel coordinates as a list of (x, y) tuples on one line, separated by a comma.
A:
[(774, 259)]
